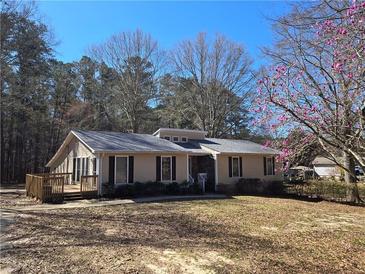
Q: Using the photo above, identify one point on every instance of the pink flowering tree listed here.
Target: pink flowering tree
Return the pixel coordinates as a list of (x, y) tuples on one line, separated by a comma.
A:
[(316, 84)]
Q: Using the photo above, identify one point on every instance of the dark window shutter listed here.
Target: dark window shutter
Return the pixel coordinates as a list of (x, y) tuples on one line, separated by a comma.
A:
[(158, 168), (87, 166), (241, 167), (173, 166), (74, 169), (94, 166), (230, 166), (265, 166), (111, 169), (131, 169), (273, 165)]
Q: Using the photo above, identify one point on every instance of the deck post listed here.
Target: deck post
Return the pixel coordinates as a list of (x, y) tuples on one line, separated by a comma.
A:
[(99, 168), (215, 156)]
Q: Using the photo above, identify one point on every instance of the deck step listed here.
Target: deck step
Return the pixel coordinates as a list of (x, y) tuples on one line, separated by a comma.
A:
[(70, 196)]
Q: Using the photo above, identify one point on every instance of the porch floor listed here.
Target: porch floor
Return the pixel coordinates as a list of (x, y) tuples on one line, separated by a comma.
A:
[(71, 188)]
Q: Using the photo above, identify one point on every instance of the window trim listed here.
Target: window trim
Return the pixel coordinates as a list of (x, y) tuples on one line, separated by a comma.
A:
[(238, 166), (271, 173), (173, 139), (163, 181), (115, 169)]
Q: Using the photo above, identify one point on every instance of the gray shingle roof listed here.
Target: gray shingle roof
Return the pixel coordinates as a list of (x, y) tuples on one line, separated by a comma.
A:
[(193, 147), (236, 146), (108, 141)]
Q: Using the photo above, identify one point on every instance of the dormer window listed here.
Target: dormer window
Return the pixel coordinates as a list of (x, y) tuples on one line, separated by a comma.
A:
[(175, 139), (184, 139)]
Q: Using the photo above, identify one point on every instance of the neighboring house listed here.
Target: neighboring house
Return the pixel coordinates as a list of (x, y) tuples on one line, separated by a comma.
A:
[(324, 167), (168, 155)]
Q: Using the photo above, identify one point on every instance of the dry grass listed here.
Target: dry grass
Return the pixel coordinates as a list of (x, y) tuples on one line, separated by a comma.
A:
[(241, 235)]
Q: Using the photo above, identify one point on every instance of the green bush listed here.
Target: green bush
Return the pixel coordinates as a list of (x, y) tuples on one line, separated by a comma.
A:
[(275, 188), (173, 189), (256, 186), (127, 190), (327, 189), (138, 189), (248, 186), (153, 189), (194, 189)]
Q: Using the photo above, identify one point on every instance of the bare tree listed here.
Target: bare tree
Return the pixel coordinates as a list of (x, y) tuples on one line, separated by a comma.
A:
[(217, 79), (136, 58)]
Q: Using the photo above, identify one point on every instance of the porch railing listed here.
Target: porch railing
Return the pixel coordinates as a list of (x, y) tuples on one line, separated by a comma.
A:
[(46, 187), (88, 184)]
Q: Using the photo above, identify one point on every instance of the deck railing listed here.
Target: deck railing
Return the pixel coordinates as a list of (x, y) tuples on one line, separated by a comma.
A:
[(46, 187), (88, 184)]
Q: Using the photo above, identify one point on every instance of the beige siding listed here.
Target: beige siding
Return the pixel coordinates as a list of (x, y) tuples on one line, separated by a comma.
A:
[(189, 135), (252, 167), (145, 167), (75, 148)]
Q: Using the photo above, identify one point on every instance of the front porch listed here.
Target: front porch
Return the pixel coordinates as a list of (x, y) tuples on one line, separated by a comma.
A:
[(56, 187), (199, 164)]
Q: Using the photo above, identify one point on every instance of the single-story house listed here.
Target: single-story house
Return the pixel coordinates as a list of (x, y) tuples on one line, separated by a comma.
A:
[(168, 155), (324, 167)]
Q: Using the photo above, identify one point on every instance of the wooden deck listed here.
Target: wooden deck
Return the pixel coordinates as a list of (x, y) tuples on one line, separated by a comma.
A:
[(72, 188), (54, 187)]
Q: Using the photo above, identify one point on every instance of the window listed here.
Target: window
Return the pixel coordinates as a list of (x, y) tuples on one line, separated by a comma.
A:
[(175, 138), (184, 139), (121, 170), (235, 167), (166, 168), (269, 166), (80, 168), (167, 138)]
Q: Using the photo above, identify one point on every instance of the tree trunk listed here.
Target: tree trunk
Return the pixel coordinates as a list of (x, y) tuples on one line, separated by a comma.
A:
[(352, 189)]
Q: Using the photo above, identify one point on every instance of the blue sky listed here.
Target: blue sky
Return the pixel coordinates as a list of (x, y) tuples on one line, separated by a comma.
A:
[(77, 25)]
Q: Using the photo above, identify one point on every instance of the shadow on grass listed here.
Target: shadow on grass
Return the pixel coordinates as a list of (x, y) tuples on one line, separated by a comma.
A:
[(302, 198)]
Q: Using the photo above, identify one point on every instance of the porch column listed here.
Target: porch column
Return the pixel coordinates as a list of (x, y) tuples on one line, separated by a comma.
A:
[(99, 168), (215, 156), (187, 167)]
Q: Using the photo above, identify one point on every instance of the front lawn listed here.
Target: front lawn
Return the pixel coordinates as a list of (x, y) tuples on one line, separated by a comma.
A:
[(241, 235)]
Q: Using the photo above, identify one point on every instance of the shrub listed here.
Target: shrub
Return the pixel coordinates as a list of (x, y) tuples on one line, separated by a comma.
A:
[(248, 186), (173, 189), (256, 186), (153, 188), (126, 190), (194, 189), (275, 188)]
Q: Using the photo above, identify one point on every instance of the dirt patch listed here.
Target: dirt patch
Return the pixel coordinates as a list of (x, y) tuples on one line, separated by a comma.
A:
[(14, 196), (241, 235)]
